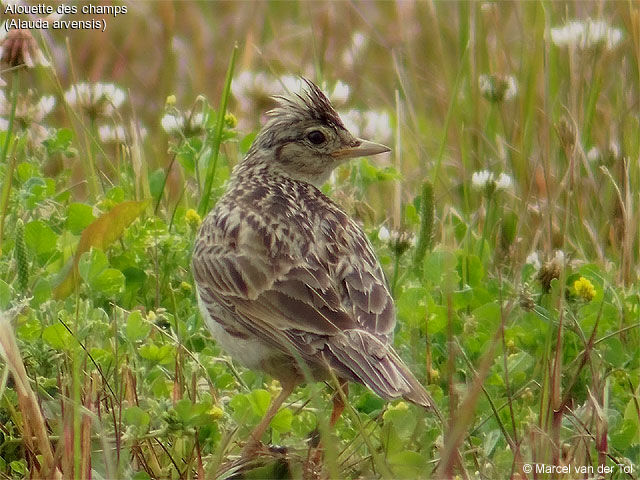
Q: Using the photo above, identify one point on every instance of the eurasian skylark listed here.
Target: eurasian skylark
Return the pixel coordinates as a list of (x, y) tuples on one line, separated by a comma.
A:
[(286, 281)]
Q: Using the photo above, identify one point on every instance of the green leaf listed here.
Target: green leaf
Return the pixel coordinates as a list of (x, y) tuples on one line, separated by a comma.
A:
[(39, 237), (187, 153), (25, 171), (490, 441), (368, 402), (156, 182), (462, 298), (137, 417), (41, 291), (79, 216), (92, 264), (631, 415), (110, 282), (59, 142), (5, 295), (137, 329), (487, 317), (407, 464), (30, 329), (19, 466), (412, 306), (403, 420), (58, 337), (141, 475), (241, 408), (163, 355), (116, 194), (440, 269), (623, 436), (260, 400), (282, 420), (614, 352), (100, 234), (470, 268), (94, 270)]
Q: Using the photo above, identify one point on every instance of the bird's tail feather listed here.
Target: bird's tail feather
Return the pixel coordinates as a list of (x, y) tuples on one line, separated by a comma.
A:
[(377, 366)]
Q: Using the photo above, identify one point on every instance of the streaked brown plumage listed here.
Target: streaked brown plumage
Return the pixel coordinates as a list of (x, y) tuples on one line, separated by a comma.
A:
[(284, 276)]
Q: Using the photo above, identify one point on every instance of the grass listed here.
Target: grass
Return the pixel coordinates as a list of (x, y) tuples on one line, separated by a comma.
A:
[(531, 355)]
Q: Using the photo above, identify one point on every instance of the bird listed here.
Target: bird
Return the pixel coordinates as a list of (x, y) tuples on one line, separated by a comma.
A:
[(288, 283)]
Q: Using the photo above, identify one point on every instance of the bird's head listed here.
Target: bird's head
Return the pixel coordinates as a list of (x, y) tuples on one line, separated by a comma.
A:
[(305, 139)]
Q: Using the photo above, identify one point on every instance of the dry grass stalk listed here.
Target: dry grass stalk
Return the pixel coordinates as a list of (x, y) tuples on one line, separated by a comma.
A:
[(34, 432)]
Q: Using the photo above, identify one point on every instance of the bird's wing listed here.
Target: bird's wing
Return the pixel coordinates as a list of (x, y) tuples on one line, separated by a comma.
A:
[(338, 311)]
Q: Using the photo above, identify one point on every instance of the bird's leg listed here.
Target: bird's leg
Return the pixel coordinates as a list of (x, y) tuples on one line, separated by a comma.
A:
[(339, 399), (254, 439)]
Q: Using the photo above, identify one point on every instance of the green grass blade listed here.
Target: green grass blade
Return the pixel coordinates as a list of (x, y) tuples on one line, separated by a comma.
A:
[(203, 207)]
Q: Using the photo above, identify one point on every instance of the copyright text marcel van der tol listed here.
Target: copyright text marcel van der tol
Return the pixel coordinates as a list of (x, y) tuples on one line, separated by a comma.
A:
[(586, 470), (54, 19)]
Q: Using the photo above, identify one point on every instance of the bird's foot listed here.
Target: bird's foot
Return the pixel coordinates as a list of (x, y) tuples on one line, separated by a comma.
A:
[(312, 468), (253, 448)]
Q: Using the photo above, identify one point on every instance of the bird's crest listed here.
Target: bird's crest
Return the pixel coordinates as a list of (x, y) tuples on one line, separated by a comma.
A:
[(310, 103)]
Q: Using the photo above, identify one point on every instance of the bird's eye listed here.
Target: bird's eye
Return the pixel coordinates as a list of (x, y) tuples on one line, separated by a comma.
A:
[(316, 137)]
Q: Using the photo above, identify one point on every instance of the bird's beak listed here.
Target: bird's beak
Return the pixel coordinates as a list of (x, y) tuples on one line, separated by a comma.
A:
[(362, 148)]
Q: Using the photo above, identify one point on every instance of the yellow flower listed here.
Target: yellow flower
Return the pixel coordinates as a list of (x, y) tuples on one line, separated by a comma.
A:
[(192, 218), (185, 287), (216, 412), (584, 288), (230, 120), (170, 101)]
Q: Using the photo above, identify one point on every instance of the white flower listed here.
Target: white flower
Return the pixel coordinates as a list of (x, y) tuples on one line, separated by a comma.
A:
[(584, 35), (480, 180), (487, 7), (498, 88), (95, 98), (355, 50), (340, 93), (358, 41), (371, 124), (484, 84), (248, 86), (191, 124), (614, 149), (503, 182), (533, 259), (120, 134), (377, 124), (28, 110), (593, 154), (383, 234), (614, 35), (558, 257), (44, 107), (287, 84), (596, 32), (569, 34), (352, 120), (512, 88), (197, 121), (486, 181), (4, 125), (172, 123), (111, 134)]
